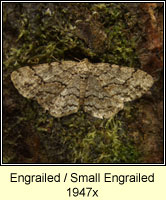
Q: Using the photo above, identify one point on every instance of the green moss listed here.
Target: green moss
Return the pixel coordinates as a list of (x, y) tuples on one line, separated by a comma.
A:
[(107, 143), (81, 139), (45, 38)]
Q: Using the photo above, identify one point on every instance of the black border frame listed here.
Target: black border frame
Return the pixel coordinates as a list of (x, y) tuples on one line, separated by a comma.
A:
[(83, 164)]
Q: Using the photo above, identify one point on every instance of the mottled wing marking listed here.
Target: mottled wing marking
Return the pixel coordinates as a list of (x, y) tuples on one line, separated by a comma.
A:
[(100, 89), (26, 82), (125, 83), (97, 100), (43, 82), (67, 102)]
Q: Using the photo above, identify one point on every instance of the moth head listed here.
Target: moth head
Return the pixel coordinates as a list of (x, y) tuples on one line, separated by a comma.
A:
[(85, 67)]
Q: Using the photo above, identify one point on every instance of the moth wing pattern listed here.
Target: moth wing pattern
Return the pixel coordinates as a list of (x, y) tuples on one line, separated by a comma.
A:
[(67, 102), (26, 82), (100, 89), (43, 82), (125, 83), (97, 101)]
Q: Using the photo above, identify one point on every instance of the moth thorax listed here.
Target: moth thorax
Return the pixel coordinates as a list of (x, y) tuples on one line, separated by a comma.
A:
[(83, 84)]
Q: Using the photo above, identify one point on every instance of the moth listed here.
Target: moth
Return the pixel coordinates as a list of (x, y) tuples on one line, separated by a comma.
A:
[(63, 88)]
